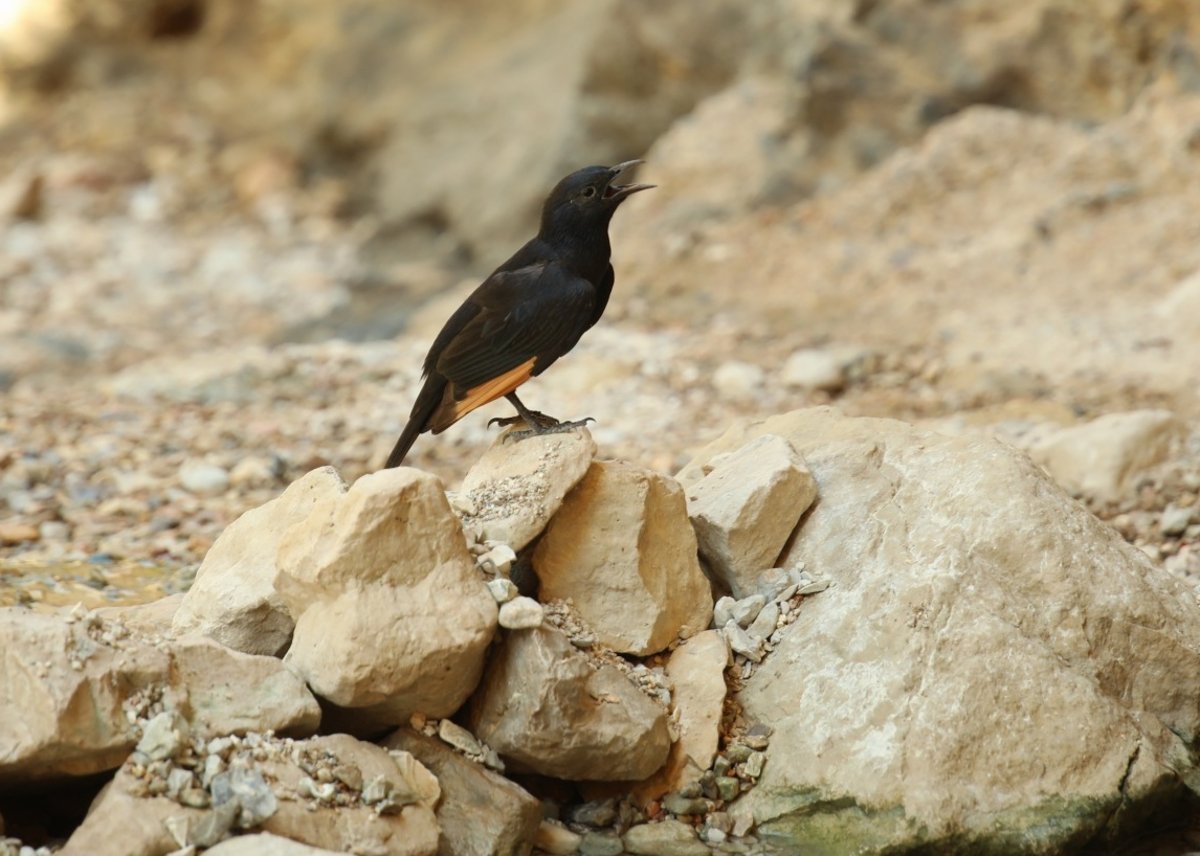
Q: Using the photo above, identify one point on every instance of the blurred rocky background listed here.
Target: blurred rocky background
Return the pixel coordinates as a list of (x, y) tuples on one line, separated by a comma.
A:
[(230, 228)]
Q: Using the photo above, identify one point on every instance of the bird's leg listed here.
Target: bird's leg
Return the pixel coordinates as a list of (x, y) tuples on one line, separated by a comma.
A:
[(539, 423)]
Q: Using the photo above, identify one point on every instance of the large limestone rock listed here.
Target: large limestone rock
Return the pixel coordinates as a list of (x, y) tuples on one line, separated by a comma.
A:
[(746, 507), (623, 549), (481, 813), (1103, 458), (547, 709), (516, 487), (229, 692), (368, 800), (992, 667), (390, 612), (233, 599), (70, 688), (696, 671), (62, 691)]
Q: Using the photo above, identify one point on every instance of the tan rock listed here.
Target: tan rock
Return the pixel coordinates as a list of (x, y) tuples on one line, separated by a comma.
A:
[(119, 823), (63, 687), (391, 613), (668, 837), (516, 487), (547, 709), (17, 531), (959, 548), (481, 813), (233, 599), (265, 844), (553, 837), (696, 671), (124, 821), (1103, 458), (623, 550), (229, 692), (70, 687), (745, 509)]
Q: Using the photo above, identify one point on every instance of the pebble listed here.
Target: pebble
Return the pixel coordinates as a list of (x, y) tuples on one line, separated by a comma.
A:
[(499, 559), (754, 764), (459, 737), (556, 839), (723, 611), (601, 844), (666, 838), (16, 532), (597, 813), (521, 613), (1175, 520), (206, 479), (728, 787), (814, 587), (746, 610), (502, 589), (741, 643), (248, 789), (679, 804), (736, 379), (163, 736), (814, 369)]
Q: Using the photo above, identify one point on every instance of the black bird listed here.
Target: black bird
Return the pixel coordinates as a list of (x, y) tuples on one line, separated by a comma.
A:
[(527, 314)]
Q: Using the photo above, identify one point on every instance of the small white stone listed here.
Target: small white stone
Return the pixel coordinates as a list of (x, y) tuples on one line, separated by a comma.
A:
[(747, 609), (459, 737), (723, 611), (501, 557), (202, 478), (502, 589), (813, 587), (1175, 520), (737, 379), (813, 368), (741, 643), (521, 613), (764, 625)]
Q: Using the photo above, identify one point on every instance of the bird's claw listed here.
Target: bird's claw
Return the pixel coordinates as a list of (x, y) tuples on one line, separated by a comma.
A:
[(555, 428), (540, 420)]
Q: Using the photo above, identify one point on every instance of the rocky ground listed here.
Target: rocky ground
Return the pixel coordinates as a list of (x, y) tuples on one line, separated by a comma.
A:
[(228, 234)]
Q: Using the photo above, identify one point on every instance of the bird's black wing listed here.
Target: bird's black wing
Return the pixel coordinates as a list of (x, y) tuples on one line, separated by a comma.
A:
[(535, 312)]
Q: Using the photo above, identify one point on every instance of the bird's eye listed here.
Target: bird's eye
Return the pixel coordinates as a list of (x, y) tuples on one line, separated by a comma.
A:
[(589, 192)]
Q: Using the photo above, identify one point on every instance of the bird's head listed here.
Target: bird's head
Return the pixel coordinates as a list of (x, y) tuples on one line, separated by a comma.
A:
[(588, 196)]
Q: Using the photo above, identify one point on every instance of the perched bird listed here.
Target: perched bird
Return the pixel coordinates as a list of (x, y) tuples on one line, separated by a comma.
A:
[(527, 314)]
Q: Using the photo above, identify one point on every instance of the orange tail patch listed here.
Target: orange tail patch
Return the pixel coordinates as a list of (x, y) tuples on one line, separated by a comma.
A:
[(453, 409)]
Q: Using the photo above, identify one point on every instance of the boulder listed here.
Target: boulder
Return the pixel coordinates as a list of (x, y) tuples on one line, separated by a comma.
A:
[(229, 692), (1103, 459), (745, 509), (64, 684), (546, 708), (481, 813), (515, 488), (233, 599), (992, 668), (696, 672), (622, 549), (71, 689), (390, 611), (334, 793)]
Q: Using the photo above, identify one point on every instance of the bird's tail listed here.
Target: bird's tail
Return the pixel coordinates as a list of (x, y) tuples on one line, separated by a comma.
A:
[(418, 422)]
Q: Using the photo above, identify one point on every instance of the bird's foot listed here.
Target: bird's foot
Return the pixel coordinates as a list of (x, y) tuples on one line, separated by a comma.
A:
[(539, 420), (555, 428)]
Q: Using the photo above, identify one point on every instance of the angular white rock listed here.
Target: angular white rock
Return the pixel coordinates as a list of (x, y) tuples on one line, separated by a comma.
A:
[(233, 599)]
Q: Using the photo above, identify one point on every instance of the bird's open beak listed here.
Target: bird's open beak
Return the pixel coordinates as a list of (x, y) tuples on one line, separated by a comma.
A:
[(616, 192)]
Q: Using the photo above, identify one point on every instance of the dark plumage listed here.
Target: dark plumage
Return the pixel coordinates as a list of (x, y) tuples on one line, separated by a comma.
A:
[(527, 314)]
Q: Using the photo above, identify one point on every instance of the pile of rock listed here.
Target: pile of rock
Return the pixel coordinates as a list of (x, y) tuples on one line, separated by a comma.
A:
[(968, 610)]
